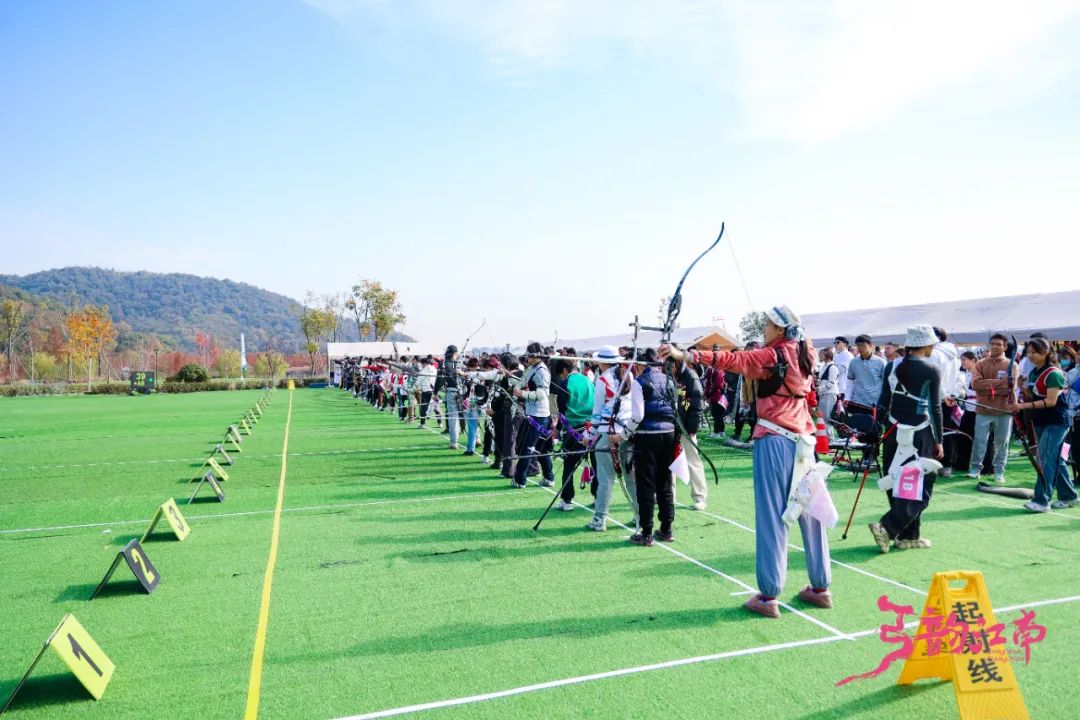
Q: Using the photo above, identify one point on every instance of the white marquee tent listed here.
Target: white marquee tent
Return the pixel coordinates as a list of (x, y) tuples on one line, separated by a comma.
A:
[(966, 321)]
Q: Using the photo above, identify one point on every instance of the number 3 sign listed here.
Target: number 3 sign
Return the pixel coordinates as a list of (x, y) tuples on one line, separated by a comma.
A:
[(80, 653)]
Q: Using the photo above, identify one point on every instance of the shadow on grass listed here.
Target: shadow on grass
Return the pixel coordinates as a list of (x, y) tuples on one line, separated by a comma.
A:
[(976, 512), (114, 588), (460, 636), (46, 690), (876, 701), (450, 553)]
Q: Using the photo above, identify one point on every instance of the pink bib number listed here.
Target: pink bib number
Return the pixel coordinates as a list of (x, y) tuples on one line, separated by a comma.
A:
[(910, 484)]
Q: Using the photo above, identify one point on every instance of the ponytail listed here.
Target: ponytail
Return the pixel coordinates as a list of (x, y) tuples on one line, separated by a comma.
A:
[(806, 363)]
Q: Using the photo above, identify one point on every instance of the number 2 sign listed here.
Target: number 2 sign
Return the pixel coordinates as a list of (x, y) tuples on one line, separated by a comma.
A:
[(139, 564)]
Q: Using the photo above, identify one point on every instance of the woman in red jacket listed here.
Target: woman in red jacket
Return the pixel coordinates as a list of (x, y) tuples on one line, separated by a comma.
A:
[(783, 453)]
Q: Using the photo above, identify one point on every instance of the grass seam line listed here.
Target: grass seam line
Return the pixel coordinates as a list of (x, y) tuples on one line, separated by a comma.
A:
[(251, 710), (579, 679), (302, 508)]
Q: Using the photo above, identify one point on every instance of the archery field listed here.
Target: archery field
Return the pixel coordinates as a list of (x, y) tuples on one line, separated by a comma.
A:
[(406, 579)]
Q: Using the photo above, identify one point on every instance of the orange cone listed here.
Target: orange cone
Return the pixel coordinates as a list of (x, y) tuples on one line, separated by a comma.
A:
[(822, 447)]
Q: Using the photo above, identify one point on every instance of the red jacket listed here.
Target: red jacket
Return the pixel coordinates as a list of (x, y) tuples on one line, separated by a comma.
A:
[(789, 413)]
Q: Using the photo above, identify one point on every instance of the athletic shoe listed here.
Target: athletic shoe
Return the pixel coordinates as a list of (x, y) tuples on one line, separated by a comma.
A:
[(699, 505), (640, 539), (468, 452), (597, 525), (546, 482), (999, 479), (453, 447), (1062, 504), (517, 485), (564, 506), (1036, 507), (881, 536), (916, 544), (974, 475), (665, 537), (946, 472), (821, 599), (767, 608), (485, 460)]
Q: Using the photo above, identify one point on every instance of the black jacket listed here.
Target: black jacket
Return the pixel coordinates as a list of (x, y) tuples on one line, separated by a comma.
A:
[(917, 377), (692, 405)]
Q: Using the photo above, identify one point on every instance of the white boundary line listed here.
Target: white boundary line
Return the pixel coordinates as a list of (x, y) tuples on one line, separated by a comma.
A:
[(622, 672), (305, 508), (800, 549), (838, 633)]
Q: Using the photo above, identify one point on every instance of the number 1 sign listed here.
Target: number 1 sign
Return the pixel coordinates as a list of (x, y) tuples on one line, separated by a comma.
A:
[(81, 655)]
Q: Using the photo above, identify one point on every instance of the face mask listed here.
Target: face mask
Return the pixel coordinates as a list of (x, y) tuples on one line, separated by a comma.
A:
[(1066, 364)]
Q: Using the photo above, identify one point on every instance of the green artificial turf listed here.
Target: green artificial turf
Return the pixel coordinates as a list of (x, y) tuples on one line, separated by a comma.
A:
[(408, 574)]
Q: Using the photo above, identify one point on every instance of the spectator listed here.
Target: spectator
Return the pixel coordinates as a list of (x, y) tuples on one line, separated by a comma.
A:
[(1045, 393), (946, 358), (842, 357), (990, 381), (828, 391), (865, 373)]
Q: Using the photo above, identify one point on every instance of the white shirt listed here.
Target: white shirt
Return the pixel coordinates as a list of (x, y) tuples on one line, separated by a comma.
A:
[(947, 360), (842, 360), (425, 378)]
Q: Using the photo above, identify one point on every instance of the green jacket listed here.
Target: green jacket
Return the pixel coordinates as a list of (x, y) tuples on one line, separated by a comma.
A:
[(579, 405)]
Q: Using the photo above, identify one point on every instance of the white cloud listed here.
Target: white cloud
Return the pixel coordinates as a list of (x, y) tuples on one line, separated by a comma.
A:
[(802, 71)]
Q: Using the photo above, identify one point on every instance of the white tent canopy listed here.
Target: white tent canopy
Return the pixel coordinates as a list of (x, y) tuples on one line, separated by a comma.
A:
[(966, 321), (337, 351)]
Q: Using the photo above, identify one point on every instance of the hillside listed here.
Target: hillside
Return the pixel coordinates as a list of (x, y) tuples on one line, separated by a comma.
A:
[(176, 305)]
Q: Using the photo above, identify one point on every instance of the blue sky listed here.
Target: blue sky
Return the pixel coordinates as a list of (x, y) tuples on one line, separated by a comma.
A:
[(553, 166)]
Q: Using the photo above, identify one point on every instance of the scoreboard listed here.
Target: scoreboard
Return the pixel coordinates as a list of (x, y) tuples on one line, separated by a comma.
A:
[(143, 381)]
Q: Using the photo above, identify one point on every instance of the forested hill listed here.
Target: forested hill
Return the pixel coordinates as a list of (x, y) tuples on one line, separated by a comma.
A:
[(177, 305)]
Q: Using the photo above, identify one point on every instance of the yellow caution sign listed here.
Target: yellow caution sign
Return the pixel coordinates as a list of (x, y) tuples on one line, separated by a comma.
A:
[(291, 385), (959, 640), (171, 513), (221, 474)]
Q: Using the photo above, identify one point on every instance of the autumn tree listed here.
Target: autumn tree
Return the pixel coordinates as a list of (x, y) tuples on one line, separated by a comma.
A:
[(316, 324), (90, 333), (12, 327), (228, 363), (376, 309)]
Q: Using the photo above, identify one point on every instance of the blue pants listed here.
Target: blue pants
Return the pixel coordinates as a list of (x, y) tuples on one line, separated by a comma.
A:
[(1054, 470), (529, 448), (774, 457), (472, 418)]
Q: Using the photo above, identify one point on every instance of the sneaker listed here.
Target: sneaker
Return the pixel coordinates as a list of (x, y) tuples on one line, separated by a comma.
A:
[(699, 505), (881, 536), (1062, 504), (768, 608), (999, 479), (547, 482), (916, 544), (974, 475), (453, 447), (665, 536), (821, 599), (515, 484), (468, 452), (564, 506), (946, 472), (485, 459), (640, 539), (1035, 507), (597, 525)]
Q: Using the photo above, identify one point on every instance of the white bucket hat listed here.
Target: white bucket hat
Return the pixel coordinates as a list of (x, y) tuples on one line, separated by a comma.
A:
[(607, 354), (920, 336)]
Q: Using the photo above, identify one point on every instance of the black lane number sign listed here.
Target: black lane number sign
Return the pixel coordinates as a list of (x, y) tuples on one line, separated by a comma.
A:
[(139, 564)]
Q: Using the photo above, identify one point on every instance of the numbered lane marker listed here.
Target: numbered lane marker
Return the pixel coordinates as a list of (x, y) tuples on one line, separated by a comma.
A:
[(244, 427), (81, 655), (233, 435), (221, 474), (220, 449), (171, 513), (208, 479), (139, 564)]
